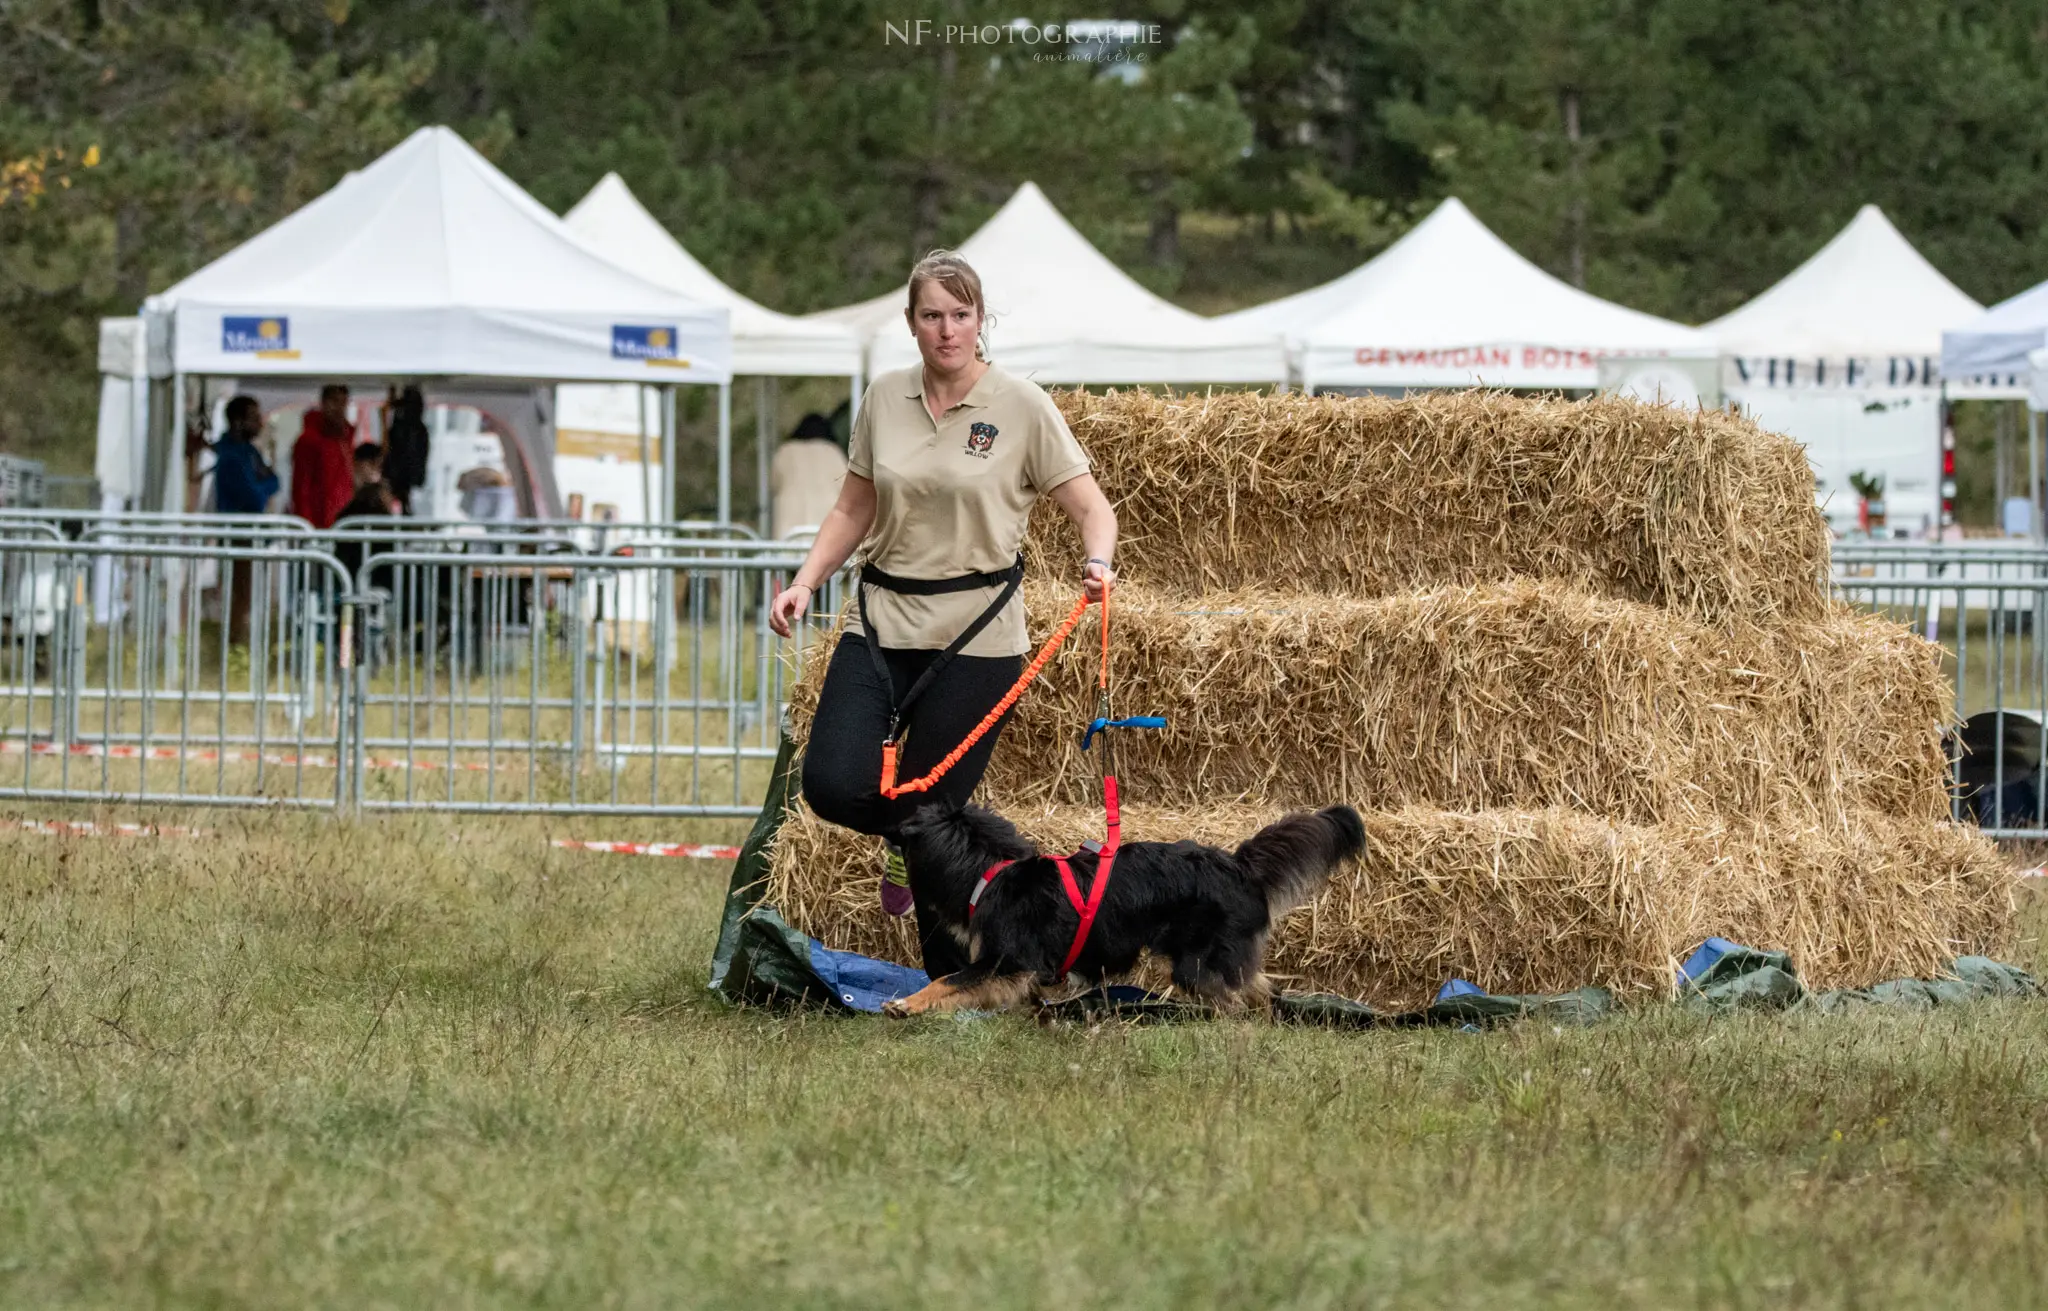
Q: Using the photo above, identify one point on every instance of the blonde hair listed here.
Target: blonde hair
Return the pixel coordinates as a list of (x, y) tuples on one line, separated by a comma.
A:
[(958, 277)]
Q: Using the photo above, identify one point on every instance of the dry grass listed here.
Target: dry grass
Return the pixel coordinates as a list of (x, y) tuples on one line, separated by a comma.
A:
[(1702, 512), (1527, 900), (425, 1062)]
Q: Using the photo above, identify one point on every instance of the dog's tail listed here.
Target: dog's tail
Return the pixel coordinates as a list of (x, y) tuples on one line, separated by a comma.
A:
[(1291, 858)]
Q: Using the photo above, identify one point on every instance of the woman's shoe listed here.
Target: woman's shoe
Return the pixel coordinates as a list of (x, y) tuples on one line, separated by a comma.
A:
[(896, 898)]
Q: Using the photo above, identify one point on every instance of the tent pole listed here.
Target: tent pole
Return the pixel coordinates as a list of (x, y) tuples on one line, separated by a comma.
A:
[(138, 446), (646, 454), (2002, 440), (767, 391), (2034, 476), (174, 461), (725, 452), (668, 453), (174, 570)]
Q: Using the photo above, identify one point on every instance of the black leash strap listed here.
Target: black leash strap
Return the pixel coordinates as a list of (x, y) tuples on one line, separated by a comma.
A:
[(1010, 580)]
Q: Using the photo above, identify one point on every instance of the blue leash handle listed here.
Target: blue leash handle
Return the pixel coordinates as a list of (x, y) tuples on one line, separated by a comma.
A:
[(1128, 721)]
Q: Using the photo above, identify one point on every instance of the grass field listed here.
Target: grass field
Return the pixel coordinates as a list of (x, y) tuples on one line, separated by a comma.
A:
[(416, 1063)]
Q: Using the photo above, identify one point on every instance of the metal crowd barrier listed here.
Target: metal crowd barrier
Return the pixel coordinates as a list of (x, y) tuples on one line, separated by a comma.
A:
[(144, 521), (127, 693), (1985, 604), (645, 684), (390, 667), (516, 666)]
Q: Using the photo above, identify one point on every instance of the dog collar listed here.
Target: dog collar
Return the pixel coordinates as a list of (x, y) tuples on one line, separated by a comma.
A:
[(988, 877)]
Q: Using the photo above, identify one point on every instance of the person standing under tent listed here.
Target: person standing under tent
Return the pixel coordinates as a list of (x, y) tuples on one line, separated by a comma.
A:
[(371, 500), (323, 460), (803, 480), (405, 447), (243, 483), (947, 457)]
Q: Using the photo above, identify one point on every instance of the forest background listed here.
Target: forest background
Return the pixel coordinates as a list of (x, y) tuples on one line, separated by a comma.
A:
[(1677, 156)]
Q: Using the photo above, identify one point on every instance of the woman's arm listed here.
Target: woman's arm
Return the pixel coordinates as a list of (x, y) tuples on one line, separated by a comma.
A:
[(845, 526), (1084, 503)]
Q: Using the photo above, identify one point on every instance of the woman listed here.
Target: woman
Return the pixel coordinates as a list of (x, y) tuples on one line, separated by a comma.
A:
[(945, 461)]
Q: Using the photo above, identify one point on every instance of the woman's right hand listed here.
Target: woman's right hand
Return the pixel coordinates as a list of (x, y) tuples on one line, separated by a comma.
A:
[(788, 606)]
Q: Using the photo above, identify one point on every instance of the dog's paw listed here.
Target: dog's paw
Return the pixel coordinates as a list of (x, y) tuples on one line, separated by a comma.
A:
[(898, 1009)]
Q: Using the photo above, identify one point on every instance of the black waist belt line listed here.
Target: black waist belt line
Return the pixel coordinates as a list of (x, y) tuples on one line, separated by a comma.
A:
[(1008, 579)]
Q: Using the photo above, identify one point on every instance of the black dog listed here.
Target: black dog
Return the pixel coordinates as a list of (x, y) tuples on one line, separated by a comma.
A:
[(1206, 909)]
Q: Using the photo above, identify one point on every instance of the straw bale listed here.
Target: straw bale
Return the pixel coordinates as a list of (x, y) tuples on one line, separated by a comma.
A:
[(1518, 695), (1871, 700), (1527, 900), (1576, 660), (1700, 511)]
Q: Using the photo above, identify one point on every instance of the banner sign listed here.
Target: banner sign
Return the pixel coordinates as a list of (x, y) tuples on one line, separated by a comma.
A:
[(1482, 358), (1739, 372), (654, 344), (266, 336)]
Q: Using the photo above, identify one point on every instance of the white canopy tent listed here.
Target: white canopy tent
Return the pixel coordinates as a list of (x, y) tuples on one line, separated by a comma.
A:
[(1844, 354), (1060, 311), (766, 344), (2001, 349), (1452, 305), (428, 263), (1996, 343)]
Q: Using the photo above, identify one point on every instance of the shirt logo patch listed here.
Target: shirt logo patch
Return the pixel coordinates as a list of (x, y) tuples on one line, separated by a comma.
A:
[(981, 439)]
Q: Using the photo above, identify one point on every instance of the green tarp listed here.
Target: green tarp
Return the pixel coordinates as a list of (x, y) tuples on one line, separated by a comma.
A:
[(761, 960)]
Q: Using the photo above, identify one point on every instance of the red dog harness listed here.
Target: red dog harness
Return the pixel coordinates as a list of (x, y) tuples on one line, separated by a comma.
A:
[(1086, 907)]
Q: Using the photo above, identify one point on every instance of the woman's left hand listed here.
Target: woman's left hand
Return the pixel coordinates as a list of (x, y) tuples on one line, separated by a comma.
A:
[(1098, 581)]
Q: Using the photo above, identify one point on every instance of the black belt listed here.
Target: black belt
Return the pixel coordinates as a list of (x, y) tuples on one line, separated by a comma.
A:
[(1008, 579)]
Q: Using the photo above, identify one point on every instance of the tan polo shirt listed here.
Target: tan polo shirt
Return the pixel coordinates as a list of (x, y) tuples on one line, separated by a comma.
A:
[(952, 497)]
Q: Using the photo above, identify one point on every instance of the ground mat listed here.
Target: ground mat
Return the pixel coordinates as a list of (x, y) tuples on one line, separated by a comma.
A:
[(760, 960)]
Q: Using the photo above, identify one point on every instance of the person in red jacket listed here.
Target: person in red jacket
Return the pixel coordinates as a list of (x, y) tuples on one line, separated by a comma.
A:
[(323, 477)]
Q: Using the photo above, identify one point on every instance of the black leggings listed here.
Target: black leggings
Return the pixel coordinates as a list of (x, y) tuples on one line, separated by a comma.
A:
[(842, 776)]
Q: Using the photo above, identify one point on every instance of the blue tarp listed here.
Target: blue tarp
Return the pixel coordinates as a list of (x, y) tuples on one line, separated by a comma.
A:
[(862, 982)]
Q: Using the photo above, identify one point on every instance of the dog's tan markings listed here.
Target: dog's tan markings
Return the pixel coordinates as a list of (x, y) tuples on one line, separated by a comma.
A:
[(917, 1003), (944, 995)]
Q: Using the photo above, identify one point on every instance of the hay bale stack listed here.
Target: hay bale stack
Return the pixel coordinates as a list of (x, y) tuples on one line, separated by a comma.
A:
[(1516, 695), (1701, 512), (1576, 661), (1525, 900)]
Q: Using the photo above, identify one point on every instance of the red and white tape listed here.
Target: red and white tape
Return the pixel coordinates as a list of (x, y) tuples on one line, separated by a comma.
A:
[(85, 828), (685, 849), (129, 751)]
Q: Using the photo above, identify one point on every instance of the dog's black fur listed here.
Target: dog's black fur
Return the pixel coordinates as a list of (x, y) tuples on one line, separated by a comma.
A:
[(1206, 909)]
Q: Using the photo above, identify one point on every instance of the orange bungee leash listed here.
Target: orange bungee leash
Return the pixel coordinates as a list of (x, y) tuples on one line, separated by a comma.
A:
[(1088, 905)]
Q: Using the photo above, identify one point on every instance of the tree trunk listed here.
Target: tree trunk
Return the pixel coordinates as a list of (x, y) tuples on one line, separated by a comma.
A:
[(1575, 167), (131, 265), (1164, 244), (928, 204)]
